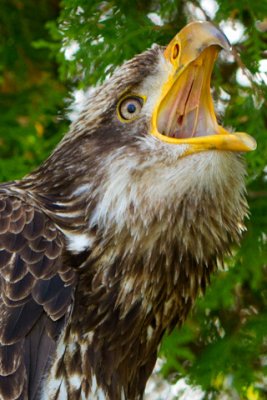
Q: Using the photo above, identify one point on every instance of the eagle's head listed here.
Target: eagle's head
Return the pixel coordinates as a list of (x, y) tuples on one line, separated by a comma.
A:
[(147, 154)]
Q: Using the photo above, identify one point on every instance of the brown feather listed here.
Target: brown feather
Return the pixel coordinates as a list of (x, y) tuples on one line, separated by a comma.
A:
[(30, 278)]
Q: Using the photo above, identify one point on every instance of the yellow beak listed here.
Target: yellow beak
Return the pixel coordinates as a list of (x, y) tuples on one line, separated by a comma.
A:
[(184, 113)]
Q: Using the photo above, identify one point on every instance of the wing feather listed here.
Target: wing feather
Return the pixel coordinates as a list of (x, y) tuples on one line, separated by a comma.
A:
[(35, 298)]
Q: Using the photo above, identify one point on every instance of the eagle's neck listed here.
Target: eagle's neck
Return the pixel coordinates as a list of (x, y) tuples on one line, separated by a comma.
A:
[(131, 189)]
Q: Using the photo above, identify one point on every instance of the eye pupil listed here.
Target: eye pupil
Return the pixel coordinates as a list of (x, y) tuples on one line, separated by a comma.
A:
[(131, 108)]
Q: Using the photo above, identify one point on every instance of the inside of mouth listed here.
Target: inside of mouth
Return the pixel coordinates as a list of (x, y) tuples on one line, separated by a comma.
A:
[(187, 109)]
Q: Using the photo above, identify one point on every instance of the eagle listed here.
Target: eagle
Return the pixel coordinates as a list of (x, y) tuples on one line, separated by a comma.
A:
[(106, 245)]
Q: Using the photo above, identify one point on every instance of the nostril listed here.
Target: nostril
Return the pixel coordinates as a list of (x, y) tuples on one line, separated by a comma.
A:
[(175, 51)]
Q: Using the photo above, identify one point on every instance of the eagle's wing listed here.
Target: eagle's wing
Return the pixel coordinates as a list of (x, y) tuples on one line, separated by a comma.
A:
[(35, 298)]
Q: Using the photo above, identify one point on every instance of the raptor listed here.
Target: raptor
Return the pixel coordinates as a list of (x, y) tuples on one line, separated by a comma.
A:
[(106, 245)]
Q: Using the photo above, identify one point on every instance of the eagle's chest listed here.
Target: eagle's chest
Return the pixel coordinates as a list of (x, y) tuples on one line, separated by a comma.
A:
[(129, 293)]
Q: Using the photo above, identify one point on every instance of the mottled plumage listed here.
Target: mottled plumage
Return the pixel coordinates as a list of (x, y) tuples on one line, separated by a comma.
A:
[(106, 246)]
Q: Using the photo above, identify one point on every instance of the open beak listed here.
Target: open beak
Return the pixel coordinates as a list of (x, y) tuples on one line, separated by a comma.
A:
[(184, 113)]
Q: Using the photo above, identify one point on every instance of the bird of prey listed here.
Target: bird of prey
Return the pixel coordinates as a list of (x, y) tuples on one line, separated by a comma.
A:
[(106, 245)]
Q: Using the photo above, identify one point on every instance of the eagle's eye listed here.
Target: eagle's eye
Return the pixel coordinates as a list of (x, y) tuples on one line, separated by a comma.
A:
[(130, 107)]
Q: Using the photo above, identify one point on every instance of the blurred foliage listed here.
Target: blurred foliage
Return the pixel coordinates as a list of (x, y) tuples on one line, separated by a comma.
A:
[(49, 49), (31, 94)]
